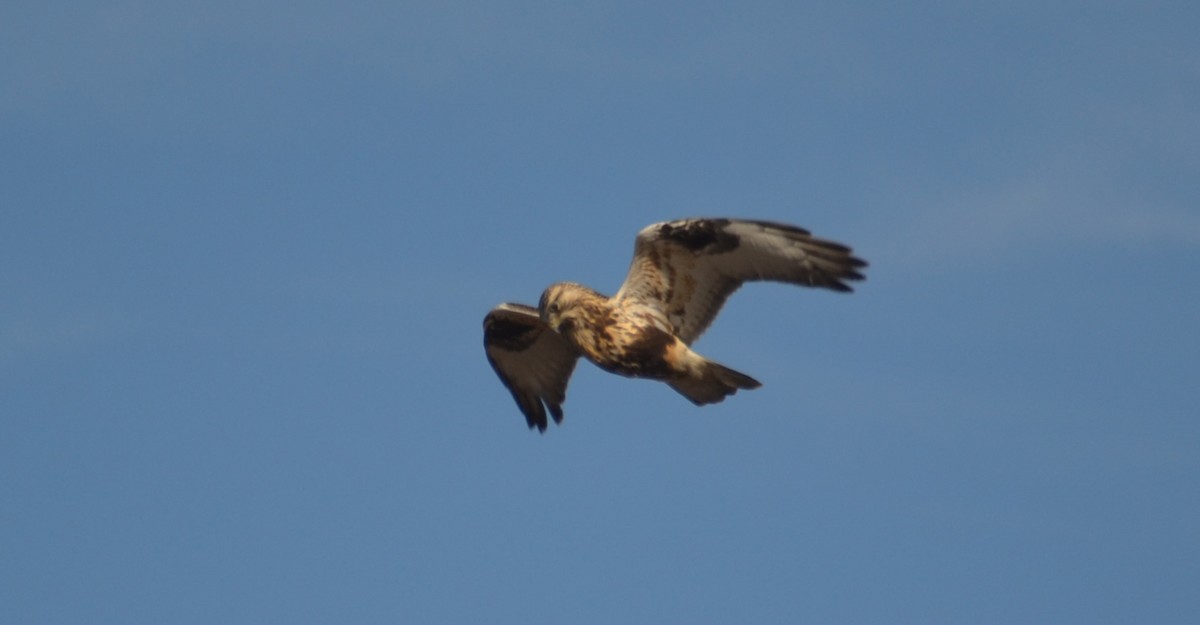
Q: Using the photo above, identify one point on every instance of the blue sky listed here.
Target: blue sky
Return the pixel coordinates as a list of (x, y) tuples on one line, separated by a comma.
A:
[(246, 249)]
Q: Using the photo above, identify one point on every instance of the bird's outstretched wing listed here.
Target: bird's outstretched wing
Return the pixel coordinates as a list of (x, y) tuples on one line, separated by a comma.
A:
[(687, 268), (532, 360)]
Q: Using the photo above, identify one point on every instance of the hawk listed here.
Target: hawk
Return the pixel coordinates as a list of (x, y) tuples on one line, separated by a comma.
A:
[(682, 273)]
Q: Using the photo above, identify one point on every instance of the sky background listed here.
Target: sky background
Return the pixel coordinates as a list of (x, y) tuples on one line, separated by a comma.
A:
[(246, 249)]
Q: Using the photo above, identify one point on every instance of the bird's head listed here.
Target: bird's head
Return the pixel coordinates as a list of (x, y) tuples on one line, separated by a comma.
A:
[(561, 306)]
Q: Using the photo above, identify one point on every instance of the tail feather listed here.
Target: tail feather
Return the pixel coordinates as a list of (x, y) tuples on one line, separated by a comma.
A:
[(715, 383)]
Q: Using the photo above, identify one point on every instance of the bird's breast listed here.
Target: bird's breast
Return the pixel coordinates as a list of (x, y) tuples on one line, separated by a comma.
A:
[(639, 351)]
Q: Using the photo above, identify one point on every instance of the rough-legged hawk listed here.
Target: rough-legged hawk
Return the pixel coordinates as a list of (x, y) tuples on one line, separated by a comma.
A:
[(681, 275)]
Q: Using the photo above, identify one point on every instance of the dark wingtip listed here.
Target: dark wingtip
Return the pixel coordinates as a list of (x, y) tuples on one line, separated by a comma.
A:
[(540, 422), (531, 407), (535, 417), (534, 422), (849, 272)]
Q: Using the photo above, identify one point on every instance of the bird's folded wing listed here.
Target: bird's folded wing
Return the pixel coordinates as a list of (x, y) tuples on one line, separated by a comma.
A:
[(687, 268), (533, 361)]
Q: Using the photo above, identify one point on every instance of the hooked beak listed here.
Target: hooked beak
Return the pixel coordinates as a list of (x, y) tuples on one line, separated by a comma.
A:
[(556, 322)]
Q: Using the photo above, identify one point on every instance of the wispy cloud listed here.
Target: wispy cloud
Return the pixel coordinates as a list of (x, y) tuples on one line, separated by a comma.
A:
[(1074, 197)]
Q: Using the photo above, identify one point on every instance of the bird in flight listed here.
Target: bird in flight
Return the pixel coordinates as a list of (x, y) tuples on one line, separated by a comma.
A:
[(682, 273)]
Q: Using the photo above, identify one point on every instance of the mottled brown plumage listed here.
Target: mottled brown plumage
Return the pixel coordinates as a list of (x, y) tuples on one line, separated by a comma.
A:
[(682, 273)]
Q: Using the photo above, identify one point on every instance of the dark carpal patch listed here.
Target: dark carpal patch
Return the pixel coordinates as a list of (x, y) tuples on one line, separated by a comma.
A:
[(508, 334), (645, 356), (700, 235)]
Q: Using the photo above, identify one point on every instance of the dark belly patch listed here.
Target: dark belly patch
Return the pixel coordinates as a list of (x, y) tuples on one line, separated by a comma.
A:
[(645, 355)]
